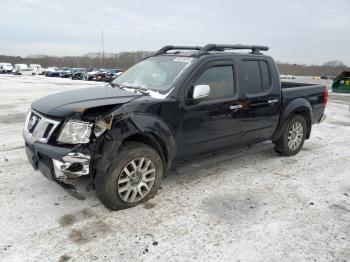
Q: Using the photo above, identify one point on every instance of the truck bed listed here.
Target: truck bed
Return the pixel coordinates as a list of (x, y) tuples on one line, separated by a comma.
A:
[(311, 92), (294, 84)]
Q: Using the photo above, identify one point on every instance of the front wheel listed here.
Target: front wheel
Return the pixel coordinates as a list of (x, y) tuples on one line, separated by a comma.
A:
[(292, 139), (133, 178)]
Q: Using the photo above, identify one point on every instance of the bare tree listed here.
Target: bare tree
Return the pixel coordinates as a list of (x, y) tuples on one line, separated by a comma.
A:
[(334, 63)]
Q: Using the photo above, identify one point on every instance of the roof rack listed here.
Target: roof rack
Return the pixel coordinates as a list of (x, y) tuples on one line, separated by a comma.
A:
[(212, 47), (171, 47)]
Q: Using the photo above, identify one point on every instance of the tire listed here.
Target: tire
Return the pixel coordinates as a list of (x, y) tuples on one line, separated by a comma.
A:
[(295, 130), (113, 187)]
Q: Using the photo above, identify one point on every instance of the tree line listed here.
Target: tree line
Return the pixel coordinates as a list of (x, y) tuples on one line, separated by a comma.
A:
[(124, 60), (121, 60), (311, 70)]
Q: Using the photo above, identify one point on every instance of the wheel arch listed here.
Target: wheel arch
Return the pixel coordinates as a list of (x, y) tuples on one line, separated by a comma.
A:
[(299, 106), (151, 140), (158, 132), (307, 116), (141, 128)]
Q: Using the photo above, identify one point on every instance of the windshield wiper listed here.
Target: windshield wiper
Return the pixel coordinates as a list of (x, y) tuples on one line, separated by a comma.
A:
[(115, 85), (143, 91), (140, 89)]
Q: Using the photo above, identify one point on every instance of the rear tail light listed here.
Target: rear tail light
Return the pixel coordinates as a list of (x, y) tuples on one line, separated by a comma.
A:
[(325, 97)]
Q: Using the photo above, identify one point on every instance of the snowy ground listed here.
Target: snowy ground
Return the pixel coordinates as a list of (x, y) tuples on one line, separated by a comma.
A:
[(248, 205)]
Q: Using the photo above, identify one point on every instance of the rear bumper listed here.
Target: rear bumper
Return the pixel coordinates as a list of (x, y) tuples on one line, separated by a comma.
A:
[(5, 71), (323, 118)]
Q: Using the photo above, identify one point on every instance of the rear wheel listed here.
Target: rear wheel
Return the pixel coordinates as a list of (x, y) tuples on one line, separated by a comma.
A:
[(292, 139), (133, 178)]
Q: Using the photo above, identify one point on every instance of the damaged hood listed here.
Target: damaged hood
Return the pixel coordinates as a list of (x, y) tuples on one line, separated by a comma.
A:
[(65, 104)]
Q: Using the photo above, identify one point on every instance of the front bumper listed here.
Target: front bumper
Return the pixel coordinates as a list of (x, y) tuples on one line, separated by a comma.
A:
[(57, 163)]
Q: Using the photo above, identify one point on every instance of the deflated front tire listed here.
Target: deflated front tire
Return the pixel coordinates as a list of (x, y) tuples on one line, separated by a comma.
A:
[(133, 177)]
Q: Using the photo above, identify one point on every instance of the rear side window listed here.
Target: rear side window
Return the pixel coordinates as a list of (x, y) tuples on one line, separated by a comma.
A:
[(265, 75), (257, 77), (220, 80), (252, 77)]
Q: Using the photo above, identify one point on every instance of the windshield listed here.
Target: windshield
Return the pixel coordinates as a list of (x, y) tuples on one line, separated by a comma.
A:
[(155, 73)]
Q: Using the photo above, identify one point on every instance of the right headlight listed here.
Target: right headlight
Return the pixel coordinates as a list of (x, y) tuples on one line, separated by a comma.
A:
[(75, 132)]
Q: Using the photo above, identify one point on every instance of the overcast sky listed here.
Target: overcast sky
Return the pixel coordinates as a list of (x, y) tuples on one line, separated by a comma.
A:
[(297, 31)]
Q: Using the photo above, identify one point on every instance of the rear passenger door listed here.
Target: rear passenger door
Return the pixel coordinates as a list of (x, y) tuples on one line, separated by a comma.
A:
[(262, 103)]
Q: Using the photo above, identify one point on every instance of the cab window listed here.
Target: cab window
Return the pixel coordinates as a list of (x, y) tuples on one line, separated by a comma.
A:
[(221, 82), (257, 77)]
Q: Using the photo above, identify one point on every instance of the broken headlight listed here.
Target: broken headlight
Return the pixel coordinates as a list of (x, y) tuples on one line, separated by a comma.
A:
[(75, 132), (101, 126)]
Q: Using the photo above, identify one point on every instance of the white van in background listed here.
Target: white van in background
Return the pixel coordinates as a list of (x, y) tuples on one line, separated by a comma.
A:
[(6, 68), (23, 69), (38, 70)]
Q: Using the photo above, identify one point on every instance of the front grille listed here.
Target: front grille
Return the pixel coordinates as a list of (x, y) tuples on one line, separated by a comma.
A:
[(39, 128), (48, 130)]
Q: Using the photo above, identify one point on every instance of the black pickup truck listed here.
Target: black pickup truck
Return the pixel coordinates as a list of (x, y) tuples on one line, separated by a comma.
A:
[(180, 102)]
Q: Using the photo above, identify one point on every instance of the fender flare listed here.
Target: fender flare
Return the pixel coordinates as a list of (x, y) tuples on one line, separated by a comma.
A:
[(154, 125), (129, 125), (295, 106)]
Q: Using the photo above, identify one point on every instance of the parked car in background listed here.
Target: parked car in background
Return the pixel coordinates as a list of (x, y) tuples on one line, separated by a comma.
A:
[(23, 69), (38, 70), (48, 71), (6, 68), (60, 72), (77, 73), (106, 75), (287, 77), (53, 74), (64, 72), (89, 75), (341, 83), (112, 74), (327, 77), (100, 75)]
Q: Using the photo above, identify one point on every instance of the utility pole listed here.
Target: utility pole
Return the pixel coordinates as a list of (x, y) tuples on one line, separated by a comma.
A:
[(103, 49)]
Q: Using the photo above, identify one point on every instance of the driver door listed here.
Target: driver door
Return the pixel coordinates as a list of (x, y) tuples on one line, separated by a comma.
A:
[(212, 122)]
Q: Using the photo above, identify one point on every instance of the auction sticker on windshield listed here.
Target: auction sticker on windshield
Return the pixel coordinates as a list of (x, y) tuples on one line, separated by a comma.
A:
[(183, 59)]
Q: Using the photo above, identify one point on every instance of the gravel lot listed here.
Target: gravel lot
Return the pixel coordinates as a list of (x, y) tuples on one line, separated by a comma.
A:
[(243, 205)]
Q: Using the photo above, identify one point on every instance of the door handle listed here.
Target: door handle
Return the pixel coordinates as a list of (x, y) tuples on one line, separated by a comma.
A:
[(272, 101), (235, 108)]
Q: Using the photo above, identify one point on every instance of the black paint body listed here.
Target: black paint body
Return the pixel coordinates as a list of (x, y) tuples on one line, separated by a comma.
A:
[(178, 127)]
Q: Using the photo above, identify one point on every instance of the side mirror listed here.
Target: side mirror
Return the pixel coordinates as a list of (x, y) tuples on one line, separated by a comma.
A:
[(200, 91)]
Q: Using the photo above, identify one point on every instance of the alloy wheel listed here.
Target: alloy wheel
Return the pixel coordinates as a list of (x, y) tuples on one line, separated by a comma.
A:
[(136, 180), (295, 135)]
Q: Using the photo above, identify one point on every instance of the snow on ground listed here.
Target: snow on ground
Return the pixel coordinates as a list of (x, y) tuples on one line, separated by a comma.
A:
[(243, 205)]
